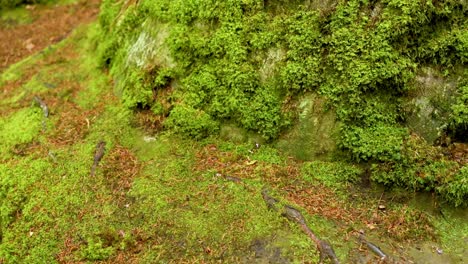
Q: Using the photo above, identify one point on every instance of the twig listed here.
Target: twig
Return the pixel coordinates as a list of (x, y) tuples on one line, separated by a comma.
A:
[(100, 149), (372, 247), (45, 110), (43, 106)]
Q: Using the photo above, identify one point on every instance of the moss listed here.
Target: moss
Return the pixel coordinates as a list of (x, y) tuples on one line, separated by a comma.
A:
[(204, 213), (191, 122), (16, 187), (14, 17), (171, 204), (380, 142), (349, 53), (94, 250), (459, 115), (19, 129), (247, 65), (456, 190), (37, 231), (330, 174), (453, 239)]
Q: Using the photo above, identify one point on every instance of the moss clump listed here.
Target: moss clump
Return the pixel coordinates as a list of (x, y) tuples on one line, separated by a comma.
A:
[(459, 115), (19, 129), (191, 122), (423, 168), (16, 183), (456, 190), (330, 174)]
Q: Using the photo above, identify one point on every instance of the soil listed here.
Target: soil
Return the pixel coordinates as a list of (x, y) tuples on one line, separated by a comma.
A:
[(49, 25)]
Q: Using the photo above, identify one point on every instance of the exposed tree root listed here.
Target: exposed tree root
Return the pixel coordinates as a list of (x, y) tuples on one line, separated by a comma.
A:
[(325, 249), (372, 247)]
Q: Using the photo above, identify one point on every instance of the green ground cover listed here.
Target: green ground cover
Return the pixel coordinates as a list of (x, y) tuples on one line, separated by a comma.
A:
[(189, 115)]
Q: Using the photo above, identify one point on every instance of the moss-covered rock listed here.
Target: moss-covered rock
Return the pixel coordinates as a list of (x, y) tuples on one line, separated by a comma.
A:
[(385, 69)]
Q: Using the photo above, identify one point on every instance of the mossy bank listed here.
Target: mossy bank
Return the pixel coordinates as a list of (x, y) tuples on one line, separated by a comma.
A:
[(388, 78), (203, 104)]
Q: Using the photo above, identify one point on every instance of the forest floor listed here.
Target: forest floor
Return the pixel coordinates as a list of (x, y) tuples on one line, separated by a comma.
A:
[(159, 198), (29, 29)]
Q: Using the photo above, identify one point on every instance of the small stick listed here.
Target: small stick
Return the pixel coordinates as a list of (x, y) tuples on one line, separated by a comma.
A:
[(270, 201), (45, 110), (374, 248), (44, 107), (100, 149)]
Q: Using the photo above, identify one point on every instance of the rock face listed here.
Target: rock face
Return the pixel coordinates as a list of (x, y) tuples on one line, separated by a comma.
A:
[(150, 48), (428, 105), (315, 132)]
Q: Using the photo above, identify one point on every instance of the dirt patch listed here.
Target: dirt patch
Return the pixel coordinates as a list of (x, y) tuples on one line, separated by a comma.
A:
[(119, 168), (401, 224), (73, 124), (49, 26), (70, 246), (54, 63), (265, 252), (149, 122), (225, 163), (320, 201)]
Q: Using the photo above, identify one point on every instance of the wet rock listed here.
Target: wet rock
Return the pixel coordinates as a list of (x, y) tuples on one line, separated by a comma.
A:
[(236, 134), (315, 132), (264, 252), (321, 5), (429, 253), (428, 105), (150, 47)]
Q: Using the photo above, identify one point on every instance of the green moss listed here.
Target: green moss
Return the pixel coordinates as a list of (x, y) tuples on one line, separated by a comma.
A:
[(380, 142), (348, 53), (456, 190), (453, 239), (16, 182), (191, 122), (169, 204), (268, 154), (95, 250), (14, 17), (459, 114), (250, 63), (20, 128), (203, 211), (48, 209), (40, 211), (330, 174)]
